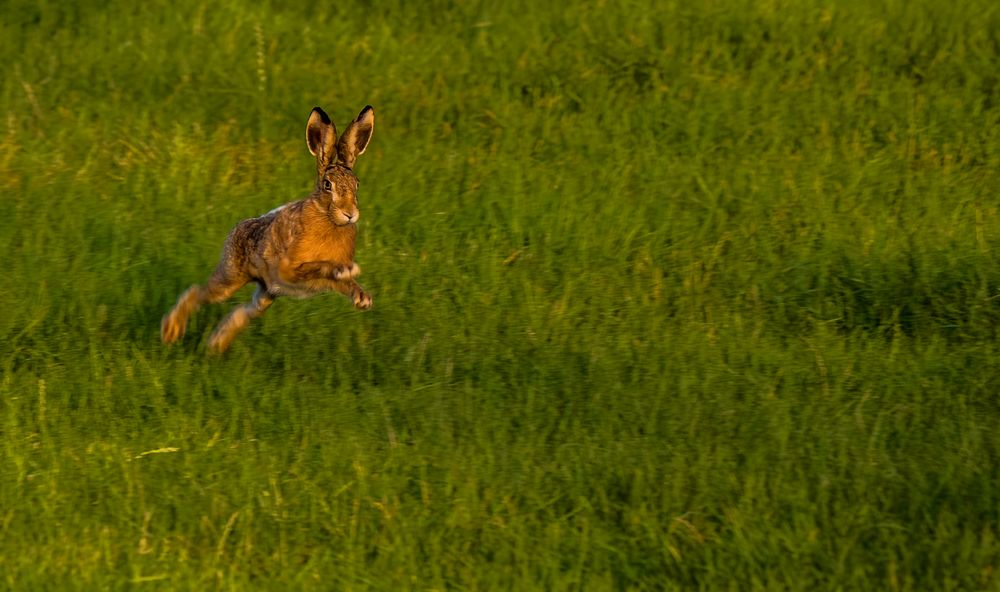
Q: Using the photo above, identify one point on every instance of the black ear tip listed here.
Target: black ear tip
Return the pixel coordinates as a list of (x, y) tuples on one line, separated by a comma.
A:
[(322, 115), (368, 109)]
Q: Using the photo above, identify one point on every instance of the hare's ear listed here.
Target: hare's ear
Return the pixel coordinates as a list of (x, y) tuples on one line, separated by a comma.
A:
[(356, 137), (321, 137)]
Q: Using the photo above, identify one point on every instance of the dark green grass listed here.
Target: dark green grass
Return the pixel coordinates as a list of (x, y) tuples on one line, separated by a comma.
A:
[(665, 298)]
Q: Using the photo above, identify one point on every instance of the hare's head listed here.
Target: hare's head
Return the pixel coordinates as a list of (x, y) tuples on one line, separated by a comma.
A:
[(336, 184)]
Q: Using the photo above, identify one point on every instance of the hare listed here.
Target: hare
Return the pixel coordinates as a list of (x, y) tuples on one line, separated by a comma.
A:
[(299, 249)]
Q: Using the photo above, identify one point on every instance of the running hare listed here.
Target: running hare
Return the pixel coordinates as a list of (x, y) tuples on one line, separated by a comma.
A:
[(299, 249)]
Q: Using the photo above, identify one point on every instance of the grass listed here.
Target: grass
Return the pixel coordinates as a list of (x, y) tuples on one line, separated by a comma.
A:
[(665, 298)]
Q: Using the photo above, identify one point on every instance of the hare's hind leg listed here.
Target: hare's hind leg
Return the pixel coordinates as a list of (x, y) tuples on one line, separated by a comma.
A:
[(237, 320), (220, 286)]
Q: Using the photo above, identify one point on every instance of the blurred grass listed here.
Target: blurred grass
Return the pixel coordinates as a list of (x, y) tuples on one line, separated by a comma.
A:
[(665, 298)]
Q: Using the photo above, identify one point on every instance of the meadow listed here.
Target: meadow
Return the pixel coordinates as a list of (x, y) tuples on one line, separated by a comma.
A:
[(667, 296)]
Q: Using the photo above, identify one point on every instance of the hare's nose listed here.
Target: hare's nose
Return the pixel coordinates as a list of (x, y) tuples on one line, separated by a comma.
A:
[(351, 216)]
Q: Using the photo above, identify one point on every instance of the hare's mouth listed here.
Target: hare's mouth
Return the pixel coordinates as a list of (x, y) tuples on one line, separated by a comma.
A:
[(341, 218)]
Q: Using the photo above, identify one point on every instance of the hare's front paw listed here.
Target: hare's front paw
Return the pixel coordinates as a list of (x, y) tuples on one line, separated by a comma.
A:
[(347, 272), (362, 299)]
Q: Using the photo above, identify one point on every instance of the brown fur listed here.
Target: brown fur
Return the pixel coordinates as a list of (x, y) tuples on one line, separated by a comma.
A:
[(300, 249)]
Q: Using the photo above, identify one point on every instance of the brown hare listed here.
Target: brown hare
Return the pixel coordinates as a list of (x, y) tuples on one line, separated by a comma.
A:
[(300, 249)]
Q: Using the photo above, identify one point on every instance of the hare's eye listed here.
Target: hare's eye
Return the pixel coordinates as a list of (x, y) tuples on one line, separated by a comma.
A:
[(327, 185)]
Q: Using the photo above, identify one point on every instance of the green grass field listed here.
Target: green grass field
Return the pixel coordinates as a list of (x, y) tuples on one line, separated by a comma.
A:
[(667, 296)]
